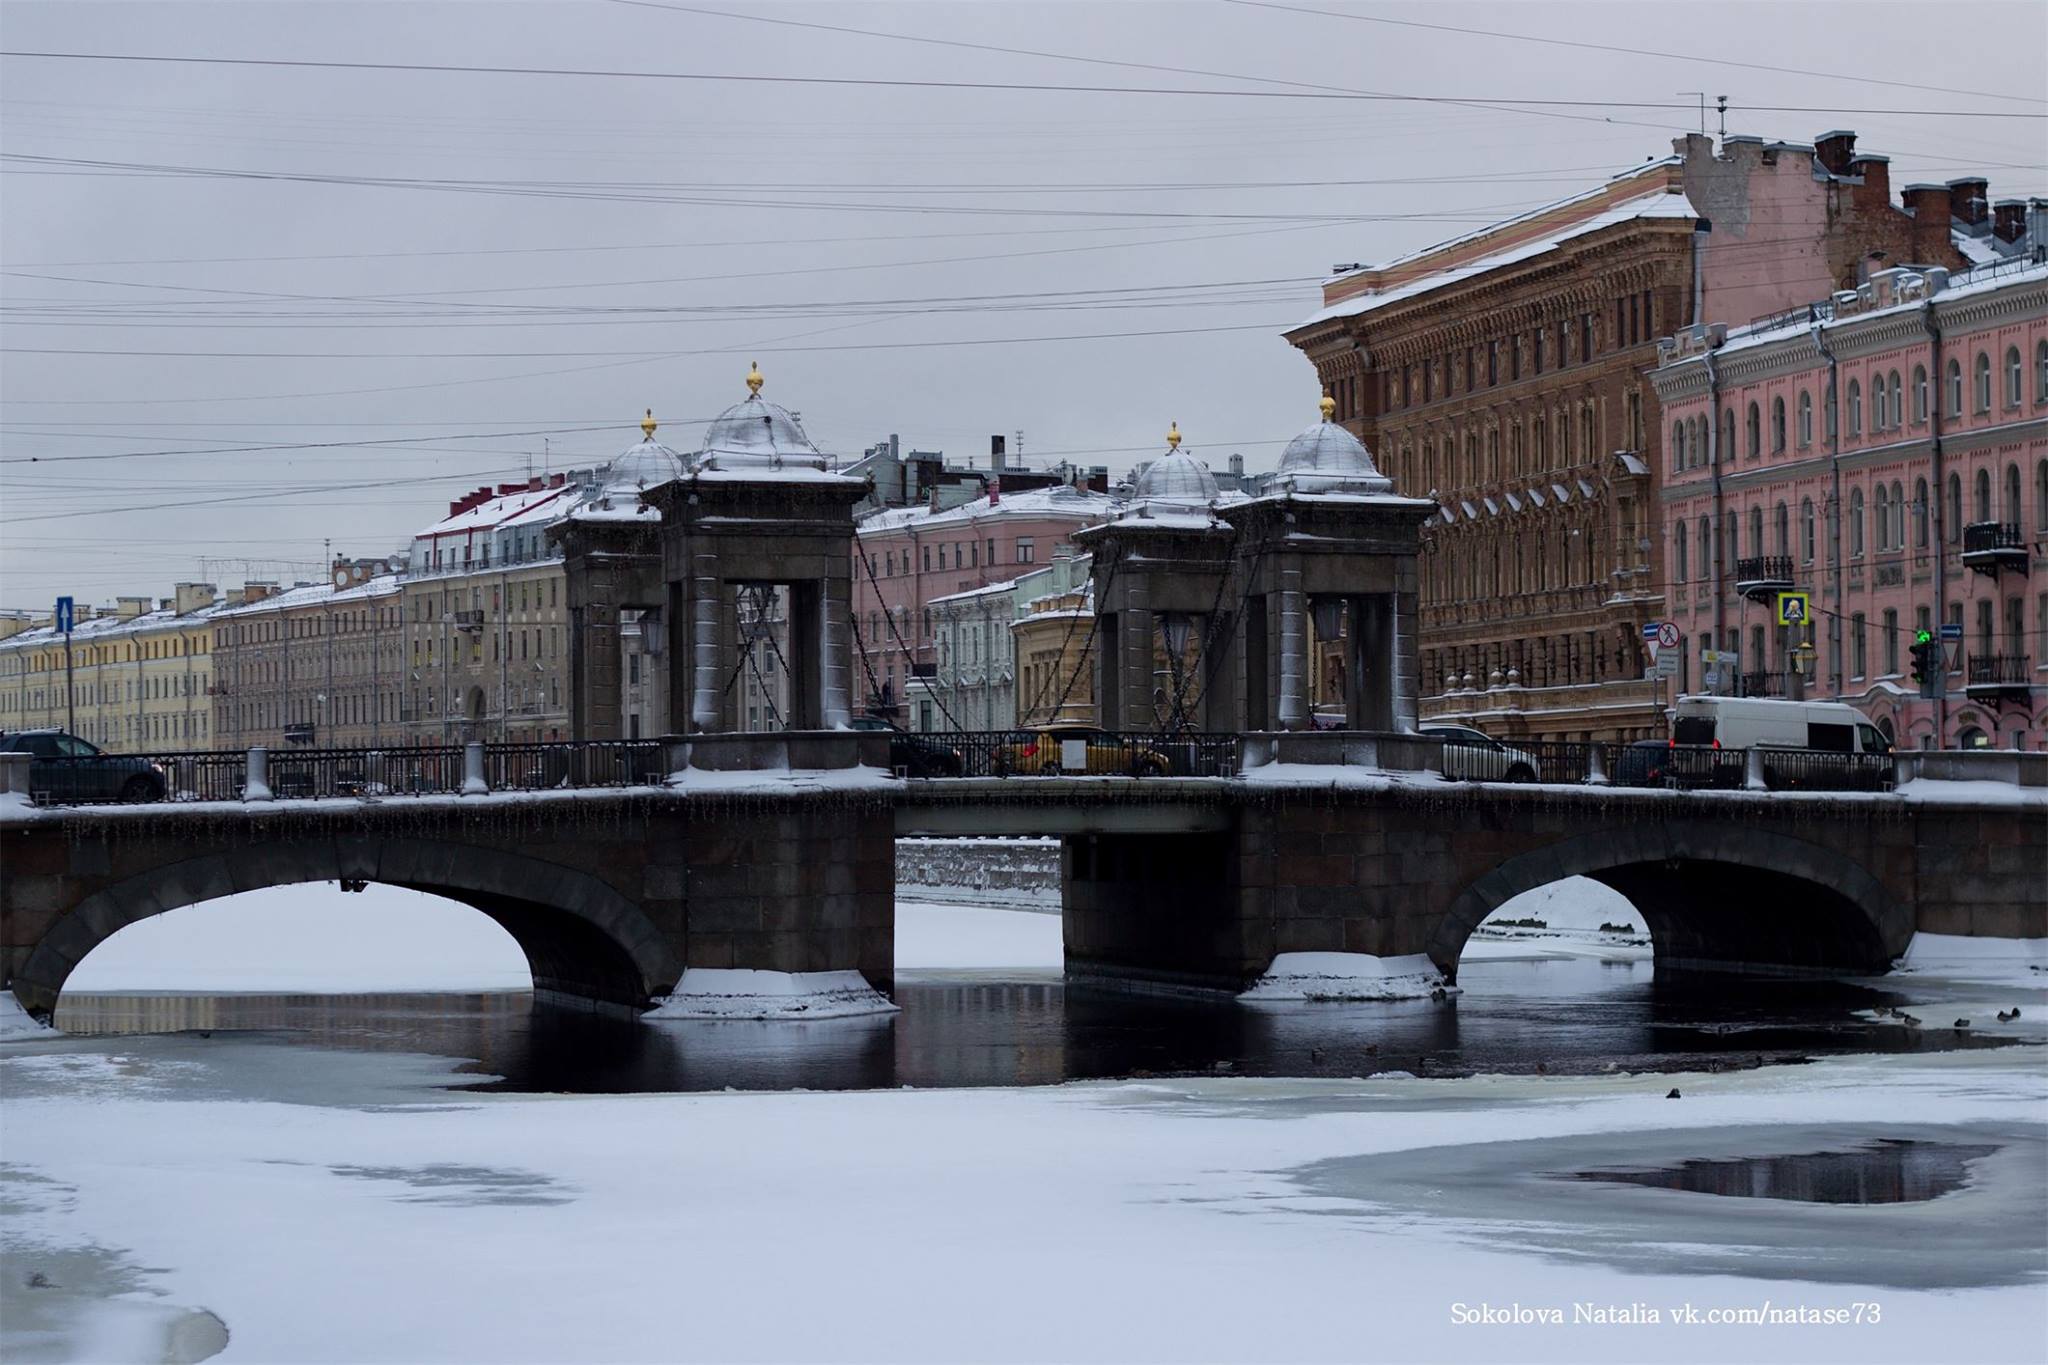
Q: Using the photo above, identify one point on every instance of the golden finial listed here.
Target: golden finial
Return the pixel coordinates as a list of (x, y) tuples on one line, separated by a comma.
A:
[(1329, 407), (1173, 436), (647, 425), (754, 379)]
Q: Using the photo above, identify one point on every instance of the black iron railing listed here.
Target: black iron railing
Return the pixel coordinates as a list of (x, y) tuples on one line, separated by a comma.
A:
[(2000, 670), (1090, 753), (1764, 569), (539, 766), (134, 778), (1986, 537), (1761, 683)]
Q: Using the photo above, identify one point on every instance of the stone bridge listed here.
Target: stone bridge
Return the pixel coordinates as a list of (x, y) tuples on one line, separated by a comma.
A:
[(1182, 883)]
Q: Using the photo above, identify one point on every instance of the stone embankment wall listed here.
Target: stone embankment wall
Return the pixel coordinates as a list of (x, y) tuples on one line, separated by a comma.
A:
[(1013, 874)]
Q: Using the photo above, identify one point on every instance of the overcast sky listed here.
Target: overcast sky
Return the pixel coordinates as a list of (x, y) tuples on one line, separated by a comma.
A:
[(568, 250)]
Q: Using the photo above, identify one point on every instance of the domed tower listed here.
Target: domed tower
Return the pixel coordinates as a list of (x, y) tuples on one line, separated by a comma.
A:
[(1328, 548), (1163, 626), (757, 512)]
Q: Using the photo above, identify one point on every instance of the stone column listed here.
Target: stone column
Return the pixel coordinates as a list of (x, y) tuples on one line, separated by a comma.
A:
[(1294, 667)]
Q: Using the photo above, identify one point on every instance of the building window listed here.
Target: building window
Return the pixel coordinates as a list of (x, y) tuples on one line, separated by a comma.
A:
[(2012, 376), (1919, 394), (1781, 538), (2041, 372), (1983, 382), (1884, 518), (1706, 541), (2009, 510), (1983, 499), (1954, 519), (1891, 641), (2041, 505), (1859, 646), (1493, 362), (1756, 532), (1755, 433), (1855, 408), (1678, 460), (1027, 550), (1856, 524), (1777, 425), (1586, 341), (1679, 571), (1920, 515), (1954, 384)]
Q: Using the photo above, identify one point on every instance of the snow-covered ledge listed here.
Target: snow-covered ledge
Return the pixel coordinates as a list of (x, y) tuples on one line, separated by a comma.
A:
[(1348, 976), (747, 993), (17, 1025)]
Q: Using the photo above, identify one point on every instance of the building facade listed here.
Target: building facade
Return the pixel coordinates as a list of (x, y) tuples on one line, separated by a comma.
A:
[(1884, 451), (974, 685), (316, 665), (1504, 374), (139, 676)]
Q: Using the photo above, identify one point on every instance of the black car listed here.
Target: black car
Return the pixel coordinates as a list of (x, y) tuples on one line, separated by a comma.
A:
[(63, 768), (915, 755), (1660, 763)]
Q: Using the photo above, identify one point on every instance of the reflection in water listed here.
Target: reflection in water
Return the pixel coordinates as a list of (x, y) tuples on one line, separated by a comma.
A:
[(963, 1029), (1892, 1171)]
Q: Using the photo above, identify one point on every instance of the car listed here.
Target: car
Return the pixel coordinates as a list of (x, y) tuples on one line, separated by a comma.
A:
[(1475, 756), (64, 768), (916, 755), (1051, 750)]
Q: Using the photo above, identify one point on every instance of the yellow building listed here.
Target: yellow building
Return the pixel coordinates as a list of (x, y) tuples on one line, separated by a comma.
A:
[(138, 675), (1055, 668)]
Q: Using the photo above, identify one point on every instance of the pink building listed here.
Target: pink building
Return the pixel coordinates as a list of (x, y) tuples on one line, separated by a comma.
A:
[(1886, 452), (914, 555)]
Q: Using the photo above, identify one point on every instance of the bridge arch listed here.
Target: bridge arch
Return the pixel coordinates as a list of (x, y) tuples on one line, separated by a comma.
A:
[(582, 939), (1714, 895)]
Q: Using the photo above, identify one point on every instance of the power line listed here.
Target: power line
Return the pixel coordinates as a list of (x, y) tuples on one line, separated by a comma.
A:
[(250, 497), (301, 445), (449, 68), (1637, 52)]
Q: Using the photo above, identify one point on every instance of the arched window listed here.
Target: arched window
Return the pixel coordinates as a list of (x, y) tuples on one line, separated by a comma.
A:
[(1898, 405), (1898, 515), (1727, 445), (1699, 442), (2041, 493), (1564, 436), (1919, 394), (1920, 515), (2009, 509), (1781, 538), (1856, 524), (1982, 375), (1883, 500), (1706, 548), (2013, 381), (1756, 531), (1777, 425), (1982, 506), (1806, 530), (1805, 418), (2041, 372), (1954, 509), (1880, 404), (1955, 388), (1678, 446), (1755, 432), (1855, 408), (1679, 568)]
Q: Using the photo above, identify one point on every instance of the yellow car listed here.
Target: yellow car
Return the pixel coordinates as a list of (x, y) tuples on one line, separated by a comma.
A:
[(1048, 751)]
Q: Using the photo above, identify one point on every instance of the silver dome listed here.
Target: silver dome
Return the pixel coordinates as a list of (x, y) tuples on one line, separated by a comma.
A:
[(647, 465), (1176, 477), (757, 434), (1327, 458)]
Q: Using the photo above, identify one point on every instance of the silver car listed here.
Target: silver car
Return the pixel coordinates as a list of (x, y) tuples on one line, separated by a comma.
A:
[(1477, 757)]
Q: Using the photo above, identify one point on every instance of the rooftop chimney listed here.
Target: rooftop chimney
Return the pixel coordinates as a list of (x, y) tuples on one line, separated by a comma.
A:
[(2009, 220), (1834, 150), (1969, 198), (1927, 204), (193, 597), (128, 608), (998, 453)]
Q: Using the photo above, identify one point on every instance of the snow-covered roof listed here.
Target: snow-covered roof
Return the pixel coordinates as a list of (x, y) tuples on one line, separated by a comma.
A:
[(1522, 238), (1037, 504), (312, 594), (498, 511)]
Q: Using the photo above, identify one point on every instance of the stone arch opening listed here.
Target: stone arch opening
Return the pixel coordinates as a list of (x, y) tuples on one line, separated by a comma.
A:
[(583, 941), (1714, 897)]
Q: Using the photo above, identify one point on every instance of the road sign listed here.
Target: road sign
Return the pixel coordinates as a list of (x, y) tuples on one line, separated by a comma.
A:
[(1667, 634), (64, 615), (1712, 678), (1720, 656), (1668, 663), (1952, 654), (1794, 609), (1951, 630)]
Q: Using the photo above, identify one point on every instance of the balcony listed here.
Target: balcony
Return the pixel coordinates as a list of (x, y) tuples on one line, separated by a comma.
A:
[(1998, 677), (1762, 684), (1762, 577), (467, 620), (1992, 547)]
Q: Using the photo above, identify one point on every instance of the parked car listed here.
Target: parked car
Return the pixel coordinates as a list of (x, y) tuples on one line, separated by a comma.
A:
[(1664, 763), (1045, 751), (62, 767), (916, 755), (1478, 757)]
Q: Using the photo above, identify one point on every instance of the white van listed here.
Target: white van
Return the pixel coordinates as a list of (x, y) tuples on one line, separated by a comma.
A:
[(1762, 723)]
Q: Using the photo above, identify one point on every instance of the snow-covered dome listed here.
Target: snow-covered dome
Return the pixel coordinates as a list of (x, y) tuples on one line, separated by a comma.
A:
[(755, 434), (1176, 477), (1327, 458), (644, 466)]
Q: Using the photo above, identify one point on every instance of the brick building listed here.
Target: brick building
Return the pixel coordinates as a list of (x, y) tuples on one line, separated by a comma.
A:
[(1504, 374)]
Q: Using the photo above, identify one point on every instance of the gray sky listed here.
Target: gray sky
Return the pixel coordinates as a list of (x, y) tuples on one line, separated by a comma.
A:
[(640, 240)]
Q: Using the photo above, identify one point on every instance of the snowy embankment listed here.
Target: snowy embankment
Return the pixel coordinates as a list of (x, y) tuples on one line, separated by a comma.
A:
[(746, 993), (1346, 976), (16, 1024), (1015, 874)]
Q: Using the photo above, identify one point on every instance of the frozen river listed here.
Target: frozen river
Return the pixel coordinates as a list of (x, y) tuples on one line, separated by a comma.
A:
[(346, 1184)]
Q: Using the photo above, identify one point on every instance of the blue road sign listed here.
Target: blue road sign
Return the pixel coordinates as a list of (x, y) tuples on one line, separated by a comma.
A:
[(1951, 630), (64, 615)]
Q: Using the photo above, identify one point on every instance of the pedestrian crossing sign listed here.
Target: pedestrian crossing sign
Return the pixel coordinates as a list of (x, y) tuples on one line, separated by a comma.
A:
[(1794, 609)]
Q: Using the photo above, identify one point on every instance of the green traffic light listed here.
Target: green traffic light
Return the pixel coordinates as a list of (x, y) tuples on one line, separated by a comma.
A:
[(1922, 637)]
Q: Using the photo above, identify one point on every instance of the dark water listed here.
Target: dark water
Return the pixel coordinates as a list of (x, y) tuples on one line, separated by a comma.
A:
[(963, 1029), (1895, 1171)]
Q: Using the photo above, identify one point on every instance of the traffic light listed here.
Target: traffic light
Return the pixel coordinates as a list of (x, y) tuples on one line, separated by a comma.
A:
[(1926, 659)]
